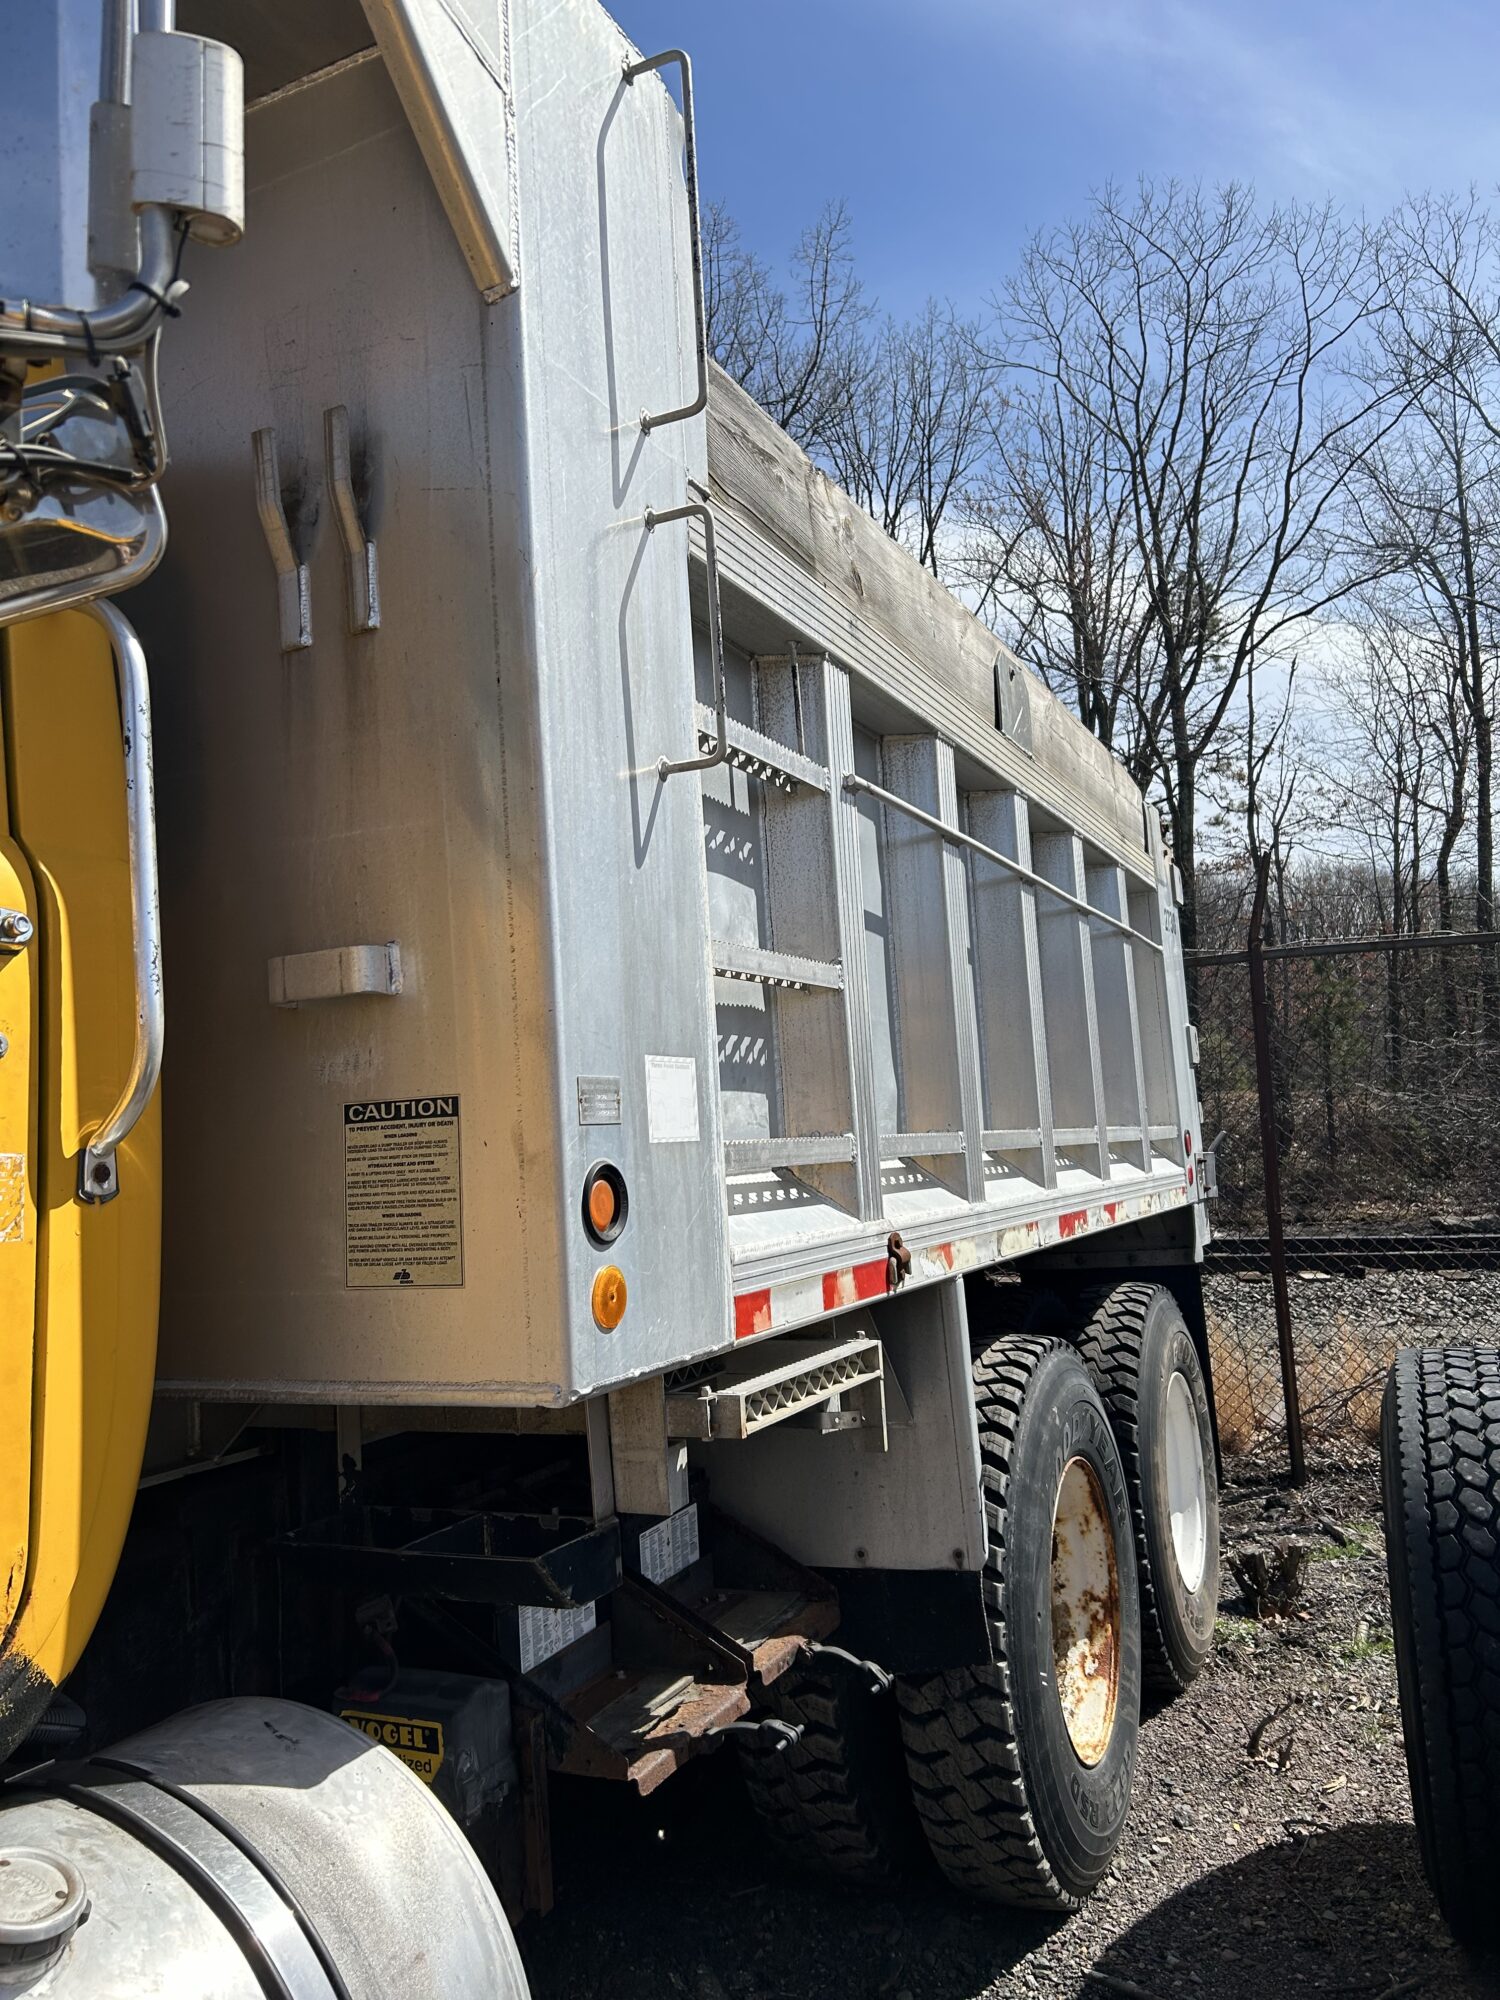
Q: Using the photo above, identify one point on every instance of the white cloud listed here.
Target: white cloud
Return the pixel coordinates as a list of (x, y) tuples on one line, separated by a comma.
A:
[(1334, 100)]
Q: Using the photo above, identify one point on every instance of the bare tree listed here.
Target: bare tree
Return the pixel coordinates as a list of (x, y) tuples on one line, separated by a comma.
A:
[(898, 412), (1408, 742), (1435, 498), (1206, 340), (1390, 756), (1051, 556), (794, 349), (913, 427)]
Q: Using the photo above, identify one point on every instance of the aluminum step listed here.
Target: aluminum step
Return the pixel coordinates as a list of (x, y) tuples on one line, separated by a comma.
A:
[(761, 756), (775, 968), (758, 1156), (742, 1591), (804, 1380)]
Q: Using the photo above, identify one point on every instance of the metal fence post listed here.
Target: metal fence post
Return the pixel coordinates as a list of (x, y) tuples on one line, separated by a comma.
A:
[(1266, 1094)]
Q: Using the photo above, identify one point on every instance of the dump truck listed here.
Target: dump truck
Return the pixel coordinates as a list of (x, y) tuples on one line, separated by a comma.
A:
[(673, 1217)]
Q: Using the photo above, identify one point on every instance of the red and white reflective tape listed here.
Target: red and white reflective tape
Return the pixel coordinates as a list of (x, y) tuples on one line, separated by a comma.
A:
[(796, 1301)]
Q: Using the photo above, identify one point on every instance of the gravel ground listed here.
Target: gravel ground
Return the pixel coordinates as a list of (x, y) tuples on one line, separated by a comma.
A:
[(1263, 1858), (1346, 1331)]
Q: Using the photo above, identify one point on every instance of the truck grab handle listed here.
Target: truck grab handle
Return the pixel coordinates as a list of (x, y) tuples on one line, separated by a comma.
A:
[(98, 1168), (700, 511), (695, 229)]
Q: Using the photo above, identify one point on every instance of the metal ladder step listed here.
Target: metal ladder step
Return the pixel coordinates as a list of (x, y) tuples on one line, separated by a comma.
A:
[(920, 1145), (775, 968), (761, 756), (647, 1727), (738, 1402), (816, 1149)]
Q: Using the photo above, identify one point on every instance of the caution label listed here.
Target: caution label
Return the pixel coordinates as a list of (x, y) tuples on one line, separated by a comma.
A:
[(419, 1745), (403, 1209)]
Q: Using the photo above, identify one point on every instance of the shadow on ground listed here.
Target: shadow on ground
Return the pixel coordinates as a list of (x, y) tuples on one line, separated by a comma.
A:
[(659, 1898), (678, 1894), (1343, 1911)]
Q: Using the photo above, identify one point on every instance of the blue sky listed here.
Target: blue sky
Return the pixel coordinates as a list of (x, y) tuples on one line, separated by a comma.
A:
[(956, 126)]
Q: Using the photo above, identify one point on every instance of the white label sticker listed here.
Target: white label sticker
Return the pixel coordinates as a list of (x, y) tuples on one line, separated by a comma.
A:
[(671, 1546), (543, 1633), (672, 1100)]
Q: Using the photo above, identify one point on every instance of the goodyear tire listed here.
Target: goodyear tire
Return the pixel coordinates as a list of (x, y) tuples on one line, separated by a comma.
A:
[(1440, 1481), (1021, 1770), (837, 1802), (1147, 1371)]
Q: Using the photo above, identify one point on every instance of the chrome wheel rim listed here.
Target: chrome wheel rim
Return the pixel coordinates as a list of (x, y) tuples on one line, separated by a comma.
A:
[(1187, 1483)]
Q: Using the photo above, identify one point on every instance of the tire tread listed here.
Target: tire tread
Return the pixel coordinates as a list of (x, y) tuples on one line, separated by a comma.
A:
[(1441, 1477), (836, 1802), (1111, 1325), (962, 1749)]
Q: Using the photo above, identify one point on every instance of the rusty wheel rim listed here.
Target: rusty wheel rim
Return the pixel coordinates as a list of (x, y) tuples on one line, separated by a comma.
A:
[(1085, 1612)]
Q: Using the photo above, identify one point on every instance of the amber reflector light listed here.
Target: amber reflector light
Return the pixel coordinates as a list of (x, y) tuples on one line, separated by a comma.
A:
[(609, 1297)]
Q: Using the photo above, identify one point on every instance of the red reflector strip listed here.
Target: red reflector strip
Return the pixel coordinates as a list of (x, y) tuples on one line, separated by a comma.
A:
[(852, 1285), (796, 1302), (752, 1313)]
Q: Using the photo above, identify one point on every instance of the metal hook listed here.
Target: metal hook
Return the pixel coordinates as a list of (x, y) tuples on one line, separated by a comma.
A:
[(768, 1730), (293, 588), (361, 575), (881, 1682)]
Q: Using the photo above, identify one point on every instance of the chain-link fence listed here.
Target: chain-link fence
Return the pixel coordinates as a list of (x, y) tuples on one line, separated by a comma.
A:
[(1362, 1078)]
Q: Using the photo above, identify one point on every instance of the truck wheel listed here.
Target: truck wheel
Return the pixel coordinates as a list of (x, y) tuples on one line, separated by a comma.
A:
[(1021, 1770), (838, 1801), (1147, 1372), (1440, 1483)]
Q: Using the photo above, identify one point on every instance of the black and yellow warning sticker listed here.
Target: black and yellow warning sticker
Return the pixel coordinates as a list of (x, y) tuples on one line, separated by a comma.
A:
[(403, 1203), (419, 1745)]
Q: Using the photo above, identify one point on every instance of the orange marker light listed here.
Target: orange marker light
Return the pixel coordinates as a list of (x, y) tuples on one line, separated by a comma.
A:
[(606, 1202), (609, 1297), (603, 1206)]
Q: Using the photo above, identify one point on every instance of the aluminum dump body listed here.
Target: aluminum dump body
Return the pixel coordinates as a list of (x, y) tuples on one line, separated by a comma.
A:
[(441, 937), (1017, 1061)]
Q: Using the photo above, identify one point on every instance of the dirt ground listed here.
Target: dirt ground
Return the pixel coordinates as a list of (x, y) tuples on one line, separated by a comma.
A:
[(1266, 1859)]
